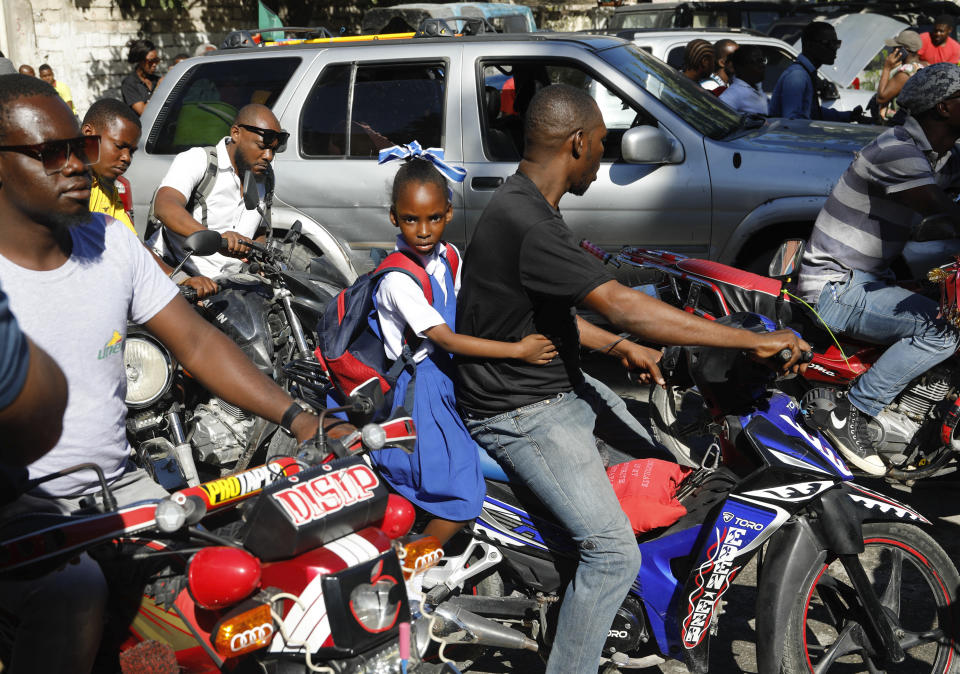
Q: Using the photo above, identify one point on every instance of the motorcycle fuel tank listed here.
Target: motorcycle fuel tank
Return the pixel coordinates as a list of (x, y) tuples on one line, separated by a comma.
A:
[(241, 310)]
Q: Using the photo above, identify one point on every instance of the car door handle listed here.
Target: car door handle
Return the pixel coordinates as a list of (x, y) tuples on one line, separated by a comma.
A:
[(486, 182)]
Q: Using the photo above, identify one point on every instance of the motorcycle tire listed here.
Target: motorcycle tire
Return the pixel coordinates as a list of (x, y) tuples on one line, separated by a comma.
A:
[(681, 422), (917, 585)]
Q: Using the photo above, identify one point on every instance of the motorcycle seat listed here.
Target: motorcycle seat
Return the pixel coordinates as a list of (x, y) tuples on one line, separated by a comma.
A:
[(741, 290)]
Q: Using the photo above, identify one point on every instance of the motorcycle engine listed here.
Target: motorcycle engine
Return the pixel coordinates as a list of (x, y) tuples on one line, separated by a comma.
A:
[(220, 431), (628, 630)]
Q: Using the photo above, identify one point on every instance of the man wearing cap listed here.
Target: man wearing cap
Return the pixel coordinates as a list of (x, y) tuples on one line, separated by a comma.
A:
[(937, 45), (865, 223), (902, 62)]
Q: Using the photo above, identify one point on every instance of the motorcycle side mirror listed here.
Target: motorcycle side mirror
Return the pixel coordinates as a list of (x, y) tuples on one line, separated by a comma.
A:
[(251, 195), (365, 402), (204, 242), (786, 261), (934, 228)]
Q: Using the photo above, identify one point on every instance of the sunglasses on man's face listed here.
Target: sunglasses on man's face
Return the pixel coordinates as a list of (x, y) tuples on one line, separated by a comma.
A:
[(275, 140), (55, 154)]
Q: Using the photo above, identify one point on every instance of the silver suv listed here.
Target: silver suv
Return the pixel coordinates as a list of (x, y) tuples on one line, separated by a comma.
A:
[(681, 170)]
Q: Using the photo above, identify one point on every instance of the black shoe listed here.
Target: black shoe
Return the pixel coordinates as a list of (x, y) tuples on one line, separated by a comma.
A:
[(847, 427)]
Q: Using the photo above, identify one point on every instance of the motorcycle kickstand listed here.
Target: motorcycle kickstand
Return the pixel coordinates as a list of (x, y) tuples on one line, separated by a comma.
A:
[(461, 572)]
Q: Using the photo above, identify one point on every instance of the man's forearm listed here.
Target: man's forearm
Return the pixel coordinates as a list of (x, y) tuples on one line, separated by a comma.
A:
[(173, 214), (661, 323)]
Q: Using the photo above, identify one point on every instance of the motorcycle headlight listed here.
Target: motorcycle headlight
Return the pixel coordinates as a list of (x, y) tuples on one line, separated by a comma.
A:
[(149, 370)]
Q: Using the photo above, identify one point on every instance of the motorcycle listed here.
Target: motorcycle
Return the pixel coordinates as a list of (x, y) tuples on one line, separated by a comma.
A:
[(916, 435), (293, 566), (180, 432), (847, 575)]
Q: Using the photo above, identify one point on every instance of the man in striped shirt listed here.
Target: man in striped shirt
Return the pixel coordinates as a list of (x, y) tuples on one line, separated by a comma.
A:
[(864, 225)]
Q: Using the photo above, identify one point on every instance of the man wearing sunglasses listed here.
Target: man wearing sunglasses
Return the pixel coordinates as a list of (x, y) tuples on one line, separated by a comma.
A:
[(74, 278), (204, 189), (745, 93), (795, 94)]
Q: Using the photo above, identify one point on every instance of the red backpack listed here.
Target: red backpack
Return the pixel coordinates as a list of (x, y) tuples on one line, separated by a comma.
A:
[(350, 342)]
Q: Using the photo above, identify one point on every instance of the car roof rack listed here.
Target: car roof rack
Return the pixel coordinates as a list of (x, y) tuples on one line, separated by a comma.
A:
[(246, 38), (447, 26)]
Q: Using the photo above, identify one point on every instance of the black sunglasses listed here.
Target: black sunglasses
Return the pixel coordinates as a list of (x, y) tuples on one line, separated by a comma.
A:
[(54, 154), (275, 140)]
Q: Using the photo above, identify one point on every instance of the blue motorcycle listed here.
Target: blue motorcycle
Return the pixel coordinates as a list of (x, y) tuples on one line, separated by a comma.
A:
[(848, 579)]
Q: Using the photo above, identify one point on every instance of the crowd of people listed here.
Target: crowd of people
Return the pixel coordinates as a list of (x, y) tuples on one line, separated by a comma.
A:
[(71, 264), (738, 81)]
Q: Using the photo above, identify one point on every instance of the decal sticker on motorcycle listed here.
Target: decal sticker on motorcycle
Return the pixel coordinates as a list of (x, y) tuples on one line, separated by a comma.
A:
[(796, 492), (314, 499), (825, 450), (871, 499), (714, 577), (235, 486)]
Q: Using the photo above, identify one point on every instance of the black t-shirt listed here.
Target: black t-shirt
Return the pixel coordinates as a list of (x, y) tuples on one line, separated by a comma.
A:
[(523, 273), (135, 91)]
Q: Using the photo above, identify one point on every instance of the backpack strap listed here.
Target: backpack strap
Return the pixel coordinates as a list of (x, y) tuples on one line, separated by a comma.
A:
[(406, 262), (200, 193), (453, 260)]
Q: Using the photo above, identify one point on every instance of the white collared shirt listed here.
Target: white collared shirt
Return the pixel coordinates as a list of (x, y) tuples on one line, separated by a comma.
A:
[(401, 302), (225, 209), (743, 97)]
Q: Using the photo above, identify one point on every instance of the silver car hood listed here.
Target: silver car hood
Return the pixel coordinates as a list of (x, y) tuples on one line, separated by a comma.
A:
[(805, 136)]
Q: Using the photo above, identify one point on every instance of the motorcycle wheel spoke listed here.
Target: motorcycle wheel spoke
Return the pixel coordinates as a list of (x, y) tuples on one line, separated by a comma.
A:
[(891, 593), (845, 644), (913, 639)]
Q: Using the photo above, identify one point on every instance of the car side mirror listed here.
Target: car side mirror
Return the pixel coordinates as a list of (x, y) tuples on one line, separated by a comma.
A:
[(650, 145), (934, 228), (786, 261)]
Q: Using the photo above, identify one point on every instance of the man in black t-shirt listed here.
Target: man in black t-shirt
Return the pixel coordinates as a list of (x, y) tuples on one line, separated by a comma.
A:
[(525, 274)]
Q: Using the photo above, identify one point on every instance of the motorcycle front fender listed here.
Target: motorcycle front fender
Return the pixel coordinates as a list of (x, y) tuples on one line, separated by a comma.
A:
[(789, 556)]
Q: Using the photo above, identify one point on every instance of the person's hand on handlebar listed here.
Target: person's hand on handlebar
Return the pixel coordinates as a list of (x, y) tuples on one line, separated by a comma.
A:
[(204, 286), (641, 361), (770, 344), (235, 244)]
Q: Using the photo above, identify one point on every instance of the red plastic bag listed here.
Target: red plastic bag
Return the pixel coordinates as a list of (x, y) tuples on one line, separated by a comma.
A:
[(647, 490)]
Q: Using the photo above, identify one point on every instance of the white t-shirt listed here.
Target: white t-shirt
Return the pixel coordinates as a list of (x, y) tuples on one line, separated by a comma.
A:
[(743, 97), (401, 302), (78, 314), (225, 209)]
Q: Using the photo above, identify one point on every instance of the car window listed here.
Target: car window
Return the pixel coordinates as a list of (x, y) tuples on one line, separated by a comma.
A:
[(675, 57), (204, 103), (508, 88), (686, 99), (759, 19), (357, 110), (778, 60), (653, 19), (709, 19)]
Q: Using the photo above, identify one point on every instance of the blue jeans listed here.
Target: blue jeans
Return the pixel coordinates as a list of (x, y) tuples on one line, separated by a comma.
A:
[(868, 307), (550, 446)]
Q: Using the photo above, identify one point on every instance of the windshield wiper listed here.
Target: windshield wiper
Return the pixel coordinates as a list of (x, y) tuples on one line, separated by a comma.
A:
[(751, 120)]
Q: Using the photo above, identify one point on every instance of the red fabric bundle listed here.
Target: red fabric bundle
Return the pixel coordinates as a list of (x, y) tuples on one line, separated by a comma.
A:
[(647, 490)]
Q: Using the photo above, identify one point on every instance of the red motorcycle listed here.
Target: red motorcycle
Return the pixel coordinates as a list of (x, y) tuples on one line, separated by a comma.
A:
[(291, 566), (917, 434)]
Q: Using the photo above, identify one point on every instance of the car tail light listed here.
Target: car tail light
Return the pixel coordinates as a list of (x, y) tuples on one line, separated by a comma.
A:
[(244, 632), (219, 577), (419, 555)]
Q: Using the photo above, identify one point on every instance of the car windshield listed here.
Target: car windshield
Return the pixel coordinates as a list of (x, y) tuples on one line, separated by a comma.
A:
[(686, 99)]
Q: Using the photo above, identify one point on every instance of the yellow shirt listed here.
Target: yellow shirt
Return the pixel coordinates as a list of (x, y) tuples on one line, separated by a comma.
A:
[(102, 201), (64, 91)]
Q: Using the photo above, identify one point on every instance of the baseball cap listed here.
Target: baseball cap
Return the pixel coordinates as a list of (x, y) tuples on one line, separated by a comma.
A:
[(907, 39)]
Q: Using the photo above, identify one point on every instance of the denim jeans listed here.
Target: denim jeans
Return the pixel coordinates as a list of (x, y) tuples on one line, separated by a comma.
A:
[(61, 614), (868, 307), (550, 446)]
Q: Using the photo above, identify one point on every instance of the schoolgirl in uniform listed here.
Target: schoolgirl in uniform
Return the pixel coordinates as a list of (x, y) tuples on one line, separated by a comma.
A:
[(443, 475)]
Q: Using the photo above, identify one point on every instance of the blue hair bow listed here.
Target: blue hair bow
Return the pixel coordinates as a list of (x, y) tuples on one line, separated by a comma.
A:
[(432, 154)]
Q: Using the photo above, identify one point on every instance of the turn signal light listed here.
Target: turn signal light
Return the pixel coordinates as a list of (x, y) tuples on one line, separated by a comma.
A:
[(245, 632), (419, 555)]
